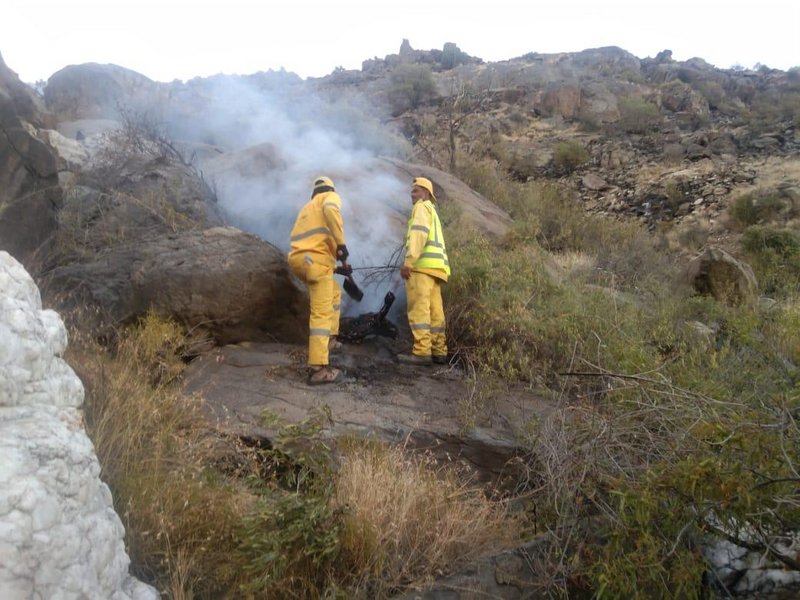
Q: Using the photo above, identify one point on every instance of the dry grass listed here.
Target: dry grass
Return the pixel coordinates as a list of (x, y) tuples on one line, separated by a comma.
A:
[(773, 171), (179, 516), (574, 264), (397, 518), (410, 520)]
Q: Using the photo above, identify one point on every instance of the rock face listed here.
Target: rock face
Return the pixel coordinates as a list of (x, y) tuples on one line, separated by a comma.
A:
[(29, 191), (97, 91), (717, 273), (60, 536), (380, 400), (507, 575), (223, 281)]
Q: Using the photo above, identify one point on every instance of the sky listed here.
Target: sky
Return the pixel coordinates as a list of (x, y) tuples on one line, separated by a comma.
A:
[(182, 39)]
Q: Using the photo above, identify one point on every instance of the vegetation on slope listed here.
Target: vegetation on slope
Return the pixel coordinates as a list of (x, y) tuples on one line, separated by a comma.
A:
[(207, 517), (678, 419), (680, 416)]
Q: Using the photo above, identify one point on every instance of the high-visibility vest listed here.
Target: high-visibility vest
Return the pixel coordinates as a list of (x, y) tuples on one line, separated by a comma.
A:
[(434, 253)]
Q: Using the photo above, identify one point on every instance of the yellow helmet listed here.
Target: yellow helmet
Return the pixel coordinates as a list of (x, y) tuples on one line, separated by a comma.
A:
[(425, 184), (323, 182)]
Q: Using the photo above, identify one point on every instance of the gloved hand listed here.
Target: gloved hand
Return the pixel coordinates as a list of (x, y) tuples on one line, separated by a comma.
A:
[(345, 270), (341, 252)]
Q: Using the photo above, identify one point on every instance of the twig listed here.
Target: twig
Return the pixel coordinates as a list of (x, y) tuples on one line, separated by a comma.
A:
[(753, 546)]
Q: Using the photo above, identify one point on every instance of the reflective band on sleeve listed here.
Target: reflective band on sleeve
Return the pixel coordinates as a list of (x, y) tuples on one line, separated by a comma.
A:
[(326, 332), (420, 325), (333, 204), (434, 254), (437, 329), (310, 232)]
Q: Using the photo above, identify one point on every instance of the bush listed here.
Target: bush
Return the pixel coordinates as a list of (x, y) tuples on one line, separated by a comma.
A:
[(568, 156), (664, 430), (754, 208), (411, 85), (512, 314), (411, 519), (653, 464), (637, 115), (714, 94), (775, 256)]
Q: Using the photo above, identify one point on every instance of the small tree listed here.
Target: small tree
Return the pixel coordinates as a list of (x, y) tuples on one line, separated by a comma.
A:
[(463, 101)]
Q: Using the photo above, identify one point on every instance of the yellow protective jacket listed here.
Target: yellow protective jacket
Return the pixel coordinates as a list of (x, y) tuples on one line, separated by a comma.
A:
[(318, 229), (425, 247)]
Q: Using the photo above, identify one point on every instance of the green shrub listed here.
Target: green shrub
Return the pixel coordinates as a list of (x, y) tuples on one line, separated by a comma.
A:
[(775, 257), (662, 424), (637, 115), (653, 461), (589, 122), (291, 543), (568, 156), (713, 92), (673, 194), (754, 208)]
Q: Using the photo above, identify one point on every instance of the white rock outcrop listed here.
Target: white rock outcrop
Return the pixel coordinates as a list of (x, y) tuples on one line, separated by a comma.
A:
[(59, 535)]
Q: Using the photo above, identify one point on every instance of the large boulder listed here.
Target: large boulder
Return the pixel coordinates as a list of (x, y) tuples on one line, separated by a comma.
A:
[(95, 91), (716, 273), (29, 191), (60, 536), (222, 281)]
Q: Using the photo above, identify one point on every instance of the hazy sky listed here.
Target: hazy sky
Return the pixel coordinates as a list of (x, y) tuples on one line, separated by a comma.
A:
[(181, 39)]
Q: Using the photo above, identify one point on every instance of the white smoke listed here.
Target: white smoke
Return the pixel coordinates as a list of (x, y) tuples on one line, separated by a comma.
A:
[(270, 138)]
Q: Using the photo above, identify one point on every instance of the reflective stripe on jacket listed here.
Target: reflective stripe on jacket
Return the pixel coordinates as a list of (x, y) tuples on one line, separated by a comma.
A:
[(425, 247), (318, 228)]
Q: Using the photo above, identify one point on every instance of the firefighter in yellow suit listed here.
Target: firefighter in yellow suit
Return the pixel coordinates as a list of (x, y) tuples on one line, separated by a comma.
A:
[(317, 242), (425, 268)]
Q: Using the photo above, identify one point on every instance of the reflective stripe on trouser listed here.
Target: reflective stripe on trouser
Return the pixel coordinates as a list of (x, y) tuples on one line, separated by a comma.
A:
[(337, 307), (426, 314), (320, 282)]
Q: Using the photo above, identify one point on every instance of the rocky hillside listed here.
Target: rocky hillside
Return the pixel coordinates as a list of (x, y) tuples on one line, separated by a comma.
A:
[(670, 143), (121, 196), (653, 138)]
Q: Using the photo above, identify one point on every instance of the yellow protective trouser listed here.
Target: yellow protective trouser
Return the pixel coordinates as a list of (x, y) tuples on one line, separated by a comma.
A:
[(426, 314), (324, 293), (337, 308)]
